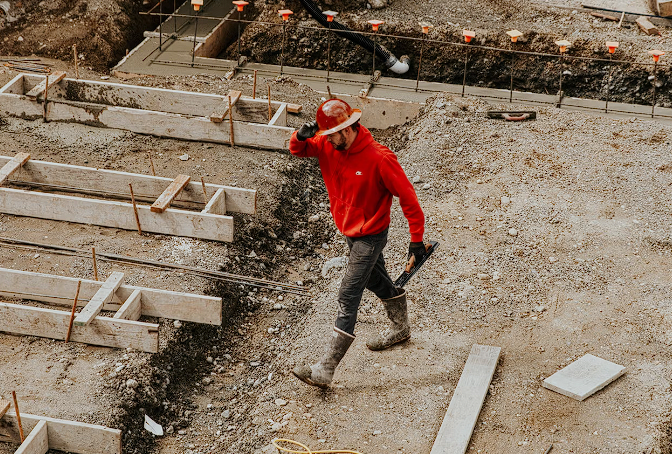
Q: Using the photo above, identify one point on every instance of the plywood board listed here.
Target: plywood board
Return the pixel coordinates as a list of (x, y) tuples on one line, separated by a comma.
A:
[(102, 296), (115, 214), (37, 441), (132, 308), (584, 377), (468, 397), (60, 290), (222, 110), (63, 435), (145, 187), (104, 331), (217, 204), (169, 194), (12, 166)]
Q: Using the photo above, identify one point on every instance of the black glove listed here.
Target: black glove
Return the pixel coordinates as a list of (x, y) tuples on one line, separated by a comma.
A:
[(416, 252), (307, 131)]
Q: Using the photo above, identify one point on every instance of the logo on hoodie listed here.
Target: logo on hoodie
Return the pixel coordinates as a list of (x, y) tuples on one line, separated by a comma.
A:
[(358, 172)]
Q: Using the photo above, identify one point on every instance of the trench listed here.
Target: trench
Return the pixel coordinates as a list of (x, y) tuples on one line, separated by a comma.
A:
[(170, 380)]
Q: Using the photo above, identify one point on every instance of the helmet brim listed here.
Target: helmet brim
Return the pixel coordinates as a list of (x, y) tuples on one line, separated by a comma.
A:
[(356, 115)]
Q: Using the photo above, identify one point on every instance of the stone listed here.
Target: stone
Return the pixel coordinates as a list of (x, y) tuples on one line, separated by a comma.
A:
[(336, 262), (280, 402), (584, 377), (483, 276), (426, 186), (206, 380), (131, 383), (416, 179), (226, 414), (184, 157), (513, 232), (505, 200)]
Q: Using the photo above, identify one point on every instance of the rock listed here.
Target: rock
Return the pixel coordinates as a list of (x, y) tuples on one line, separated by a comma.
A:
[(181, 432), (552, 259), (184, 157), (479, 181), (300, 283), (131, 384), (255, 364), (426, 186), (505, 200), (277, 306), (280, 402), (206, 380), (416, 179), (314, 218), (336, 262), (513, 232), (540, 309), (483, 276), (210, 359), (226, 414), (177, 324), (377, 432)]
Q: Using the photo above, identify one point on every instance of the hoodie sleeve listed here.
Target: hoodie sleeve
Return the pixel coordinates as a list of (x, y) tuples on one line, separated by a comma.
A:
[(309, 148), (397, 183)]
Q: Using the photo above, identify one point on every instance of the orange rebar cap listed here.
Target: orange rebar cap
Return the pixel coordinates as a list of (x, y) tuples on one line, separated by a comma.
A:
[(425, 27), (334, 115), (330, 15), (375, 24), (612, 45), (514, 34), (468, 35), (240, 4), (564, 44), (197, 4), (285, 13), (656, 54)]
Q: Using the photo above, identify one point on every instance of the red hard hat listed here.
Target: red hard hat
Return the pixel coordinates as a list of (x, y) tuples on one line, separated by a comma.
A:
[(334, 115)]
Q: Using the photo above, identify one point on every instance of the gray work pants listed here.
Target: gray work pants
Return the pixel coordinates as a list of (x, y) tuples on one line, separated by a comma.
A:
[(366, 269)]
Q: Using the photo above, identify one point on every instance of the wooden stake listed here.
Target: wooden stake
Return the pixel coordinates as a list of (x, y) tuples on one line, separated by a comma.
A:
[(74, 52), (72, 314), (18, 416), (151, 162), (254, 86), (205, 193), (231, 122), (95, 265), (135, 209), (270, 111), (46, 92), (620, 22)]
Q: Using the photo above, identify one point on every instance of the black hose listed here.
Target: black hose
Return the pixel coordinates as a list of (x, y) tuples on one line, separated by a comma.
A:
[(388, 59)]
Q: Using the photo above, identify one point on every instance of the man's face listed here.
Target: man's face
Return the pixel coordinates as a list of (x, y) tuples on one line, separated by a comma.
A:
[(341, 140)]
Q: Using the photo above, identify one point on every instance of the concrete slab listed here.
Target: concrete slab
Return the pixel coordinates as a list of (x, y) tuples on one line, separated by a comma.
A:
[(584, 377)]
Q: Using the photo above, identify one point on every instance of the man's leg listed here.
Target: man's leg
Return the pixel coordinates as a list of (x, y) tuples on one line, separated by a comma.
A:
[(364, 253)]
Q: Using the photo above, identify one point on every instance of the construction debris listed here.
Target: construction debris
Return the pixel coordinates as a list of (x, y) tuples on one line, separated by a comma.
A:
[(584, 377)]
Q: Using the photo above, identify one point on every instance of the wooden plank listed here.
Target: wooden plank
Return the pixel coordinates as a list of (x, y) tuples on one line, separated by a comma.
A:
[(222, 110), (37, 442), (468, 397), (646, 26), (167, 196), (132, 308), (217, 203), (4, 407), (102, 296), (53, 324), (584, 377), (147, 187), (13, 165), (60, 290), (38, 89), (115, 214), (294, 108), (280, 117), (63, 435)]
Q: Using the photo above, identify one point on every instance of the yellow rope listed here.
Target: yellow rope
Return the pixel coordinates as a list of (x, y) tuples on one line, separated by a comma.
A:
[(307, 449)]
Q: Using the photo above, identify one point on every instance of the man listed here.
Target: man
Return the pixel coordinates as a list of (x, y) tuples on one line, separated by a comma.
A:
[(361, 177)]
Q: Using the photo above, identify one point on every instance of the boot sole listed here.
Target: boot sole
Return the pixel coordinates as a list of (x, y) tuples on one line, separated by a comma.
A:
[(310, 382), (390, 345)]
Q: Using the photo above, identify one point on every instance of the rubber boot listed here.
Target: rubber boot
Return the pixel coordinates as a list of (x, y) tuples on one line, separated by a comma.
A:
[(321, 374), (399, 330)]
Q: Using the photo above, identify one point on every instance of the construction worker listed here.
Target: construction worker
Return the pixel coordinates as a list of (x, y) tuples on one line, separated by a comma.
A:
[(361, 176)]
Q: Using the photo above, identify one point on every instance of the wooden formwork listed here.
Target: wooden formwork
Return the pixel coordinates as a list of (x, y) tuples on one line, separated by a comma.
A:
[(210, 222), (145, 110), (121, 330)]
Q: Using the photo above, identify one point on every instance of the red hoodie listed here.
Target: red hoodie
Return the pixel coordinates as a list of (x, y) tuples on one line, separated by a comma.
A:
[(361, 182)]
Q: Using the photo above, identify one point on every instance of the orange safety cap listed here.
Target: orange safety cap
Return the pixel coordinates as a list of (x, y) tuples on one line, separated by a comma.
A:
[(612, 45), (334, 115), (197, 4), (468, 35), (656, 54), (425, 27), (330, 15), (564, 44), (240, 4), (285, 13), (375, 24), (514, 34)]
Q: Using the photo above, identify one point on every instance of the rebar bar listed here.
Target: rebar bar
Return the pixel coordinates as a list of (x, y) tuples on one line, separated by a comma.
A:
[(606, 104), (160, 26), (328, 51), (559, 103), (464, 75), (282, 50), (655, 80), (193, 50), (417, 80)]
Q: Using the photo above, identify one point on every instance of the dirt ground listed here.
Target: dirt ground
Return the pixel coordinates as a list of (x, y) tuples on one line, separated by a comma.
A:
[(555, 242)]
